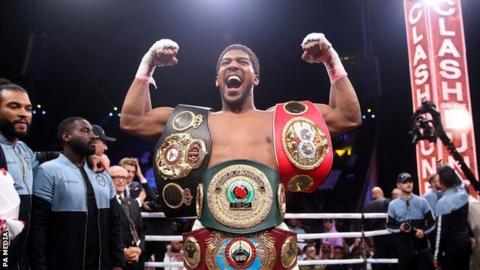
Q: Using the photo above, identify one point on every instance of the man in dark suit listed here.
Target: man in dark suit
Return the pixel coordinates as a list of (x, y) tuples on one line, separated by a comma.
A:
[(131, 224)]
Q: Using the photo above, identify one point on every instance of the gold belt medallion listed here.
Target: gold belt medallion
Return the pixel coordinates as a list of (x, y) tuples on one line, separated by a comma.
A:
[(304, 143), (186, 120), (178, 155), (192, 252), (175, 196), (288, 255), (239, 196)]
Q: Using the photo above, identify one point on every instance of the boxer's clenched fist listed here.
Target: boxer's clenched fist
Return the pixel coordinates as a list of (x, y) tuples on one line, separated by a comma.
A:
[(315, 48), (162, 53)]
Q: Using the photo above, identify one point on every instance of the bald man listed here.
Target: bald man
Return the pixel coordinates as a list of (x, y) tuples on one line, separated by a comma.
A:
[(395, 193), (379, 204), (377, 193)]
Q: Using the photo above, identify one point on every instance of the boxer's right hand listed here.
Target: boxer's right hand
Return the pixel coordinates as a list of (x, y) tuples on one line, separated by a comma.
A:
[(162, 53)]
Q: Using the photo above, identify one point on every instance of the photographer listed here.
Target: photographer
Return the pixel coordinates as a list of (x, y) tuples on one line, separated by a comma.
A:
[(411, 219)]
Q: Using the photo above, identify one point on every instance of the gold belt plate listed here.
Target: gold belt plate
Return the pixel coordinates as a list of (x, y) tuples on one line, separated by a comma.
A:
[(178, 155), (217, 247), (240, 196), (304, 143)]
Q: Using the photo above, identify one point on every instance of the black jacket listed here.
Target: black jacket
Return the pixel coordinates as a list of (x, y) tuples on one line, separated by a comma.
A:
[(59, 218), (127, 238)]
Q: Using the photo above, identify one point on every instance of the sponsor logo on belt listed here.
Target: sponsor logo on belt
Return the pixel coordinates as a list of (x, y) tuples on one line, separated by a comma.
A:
[(239, 196), (178, 155)]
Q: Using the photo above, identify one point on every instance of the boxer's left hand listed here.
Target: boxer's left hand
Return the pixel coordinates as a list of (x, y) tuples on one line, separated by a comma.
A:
[(315, 48)]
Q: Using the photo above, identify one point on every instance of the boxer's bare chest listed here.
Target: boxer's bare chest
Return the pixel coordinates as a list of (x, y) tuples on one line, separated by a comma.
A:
[(242, 136)]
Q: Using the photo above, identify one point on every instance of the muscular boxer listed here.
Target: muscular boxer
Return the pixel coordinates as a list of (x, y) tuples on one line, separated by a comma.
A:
[(239, 132), (238, 72)]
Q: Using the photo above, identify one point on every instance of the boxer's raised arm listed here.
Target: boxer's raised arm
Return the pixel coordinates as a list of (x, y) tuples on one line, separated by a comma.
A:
[(343, 111), (137, 116)]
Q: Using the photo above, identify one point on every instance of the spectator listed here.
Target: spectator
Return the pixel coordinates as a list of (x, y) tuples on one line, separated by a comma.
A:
[(435, 191), (131, 224), (411, 219), (339, 253), (174, 254), (137, 190), (326, 251), (295, 225), (395, 193), (310, 253), (101, 143), (382, 243), (474, 221), (452, 246), (329, 227), (15, 120), (75, 218)]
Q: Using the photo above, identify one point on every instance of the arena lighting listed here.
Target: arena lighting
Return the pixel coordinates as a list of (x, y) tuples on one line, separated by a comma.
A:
[(457, 118), (346, 150), (39, 106), (115, 108)]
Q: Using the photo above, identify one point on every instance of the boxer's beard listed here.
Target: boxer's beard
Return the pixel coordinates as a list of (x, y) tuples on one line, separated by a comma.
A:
[(237, 104), (7, 129), (81, 148)]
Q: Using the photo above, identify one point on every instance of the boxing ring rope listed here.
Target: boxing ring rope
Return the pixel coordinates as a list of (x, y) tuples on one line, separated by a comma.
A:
[(295, 215), (306, 236), (300, 263)]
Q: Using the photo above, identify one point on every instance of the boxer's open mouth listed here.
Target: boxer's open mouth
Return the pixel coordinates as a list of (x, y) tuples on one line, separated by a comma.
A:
[(233, 81)]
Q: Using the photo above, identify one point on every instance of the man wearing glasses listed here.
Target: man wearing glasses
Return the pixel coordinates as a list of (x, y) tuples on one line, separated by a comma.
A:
[(131, 224)]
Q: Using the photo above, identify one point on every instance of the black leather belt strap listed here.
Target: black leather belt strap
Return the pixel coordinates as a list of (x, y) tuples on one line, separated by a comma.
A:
[(181, 155)]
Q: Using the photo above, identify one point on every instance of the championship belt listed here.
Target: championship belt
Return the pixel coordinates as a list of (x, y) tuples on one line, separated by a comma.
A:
[(266, 250), (240, 197), (302, 145), (181, 156)]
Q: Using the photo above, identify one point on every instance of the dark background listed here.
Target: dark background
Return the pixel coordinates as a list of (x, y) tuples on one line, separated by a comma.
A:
[(78, 57)]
